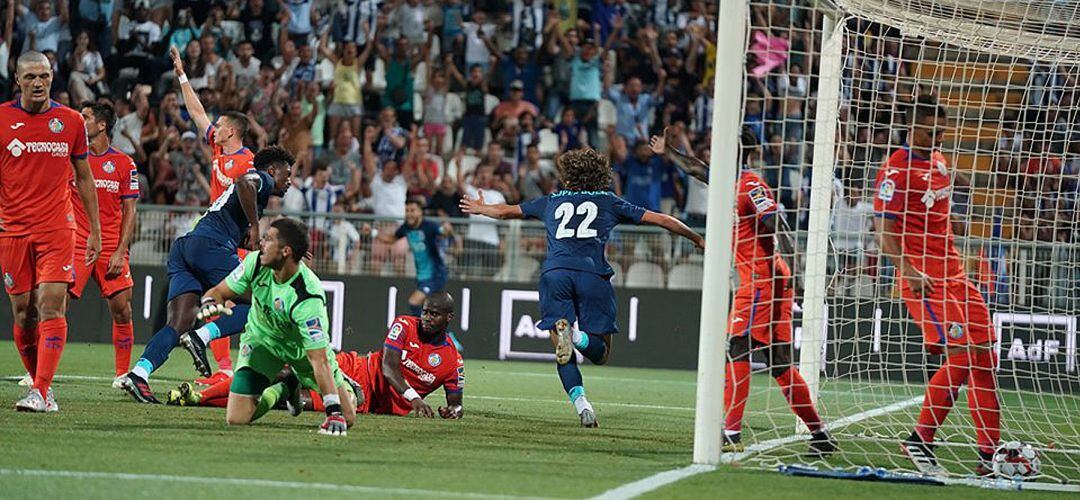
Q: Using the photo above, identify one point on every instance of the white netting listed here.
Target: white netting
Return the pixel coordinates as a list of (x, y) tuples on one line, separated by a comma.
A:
[(1006, 73)]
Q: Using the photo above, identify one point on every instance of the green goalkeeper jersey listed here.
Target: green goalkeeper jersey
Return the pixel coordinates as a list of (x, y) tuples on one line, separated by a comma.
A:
[(289, 317)]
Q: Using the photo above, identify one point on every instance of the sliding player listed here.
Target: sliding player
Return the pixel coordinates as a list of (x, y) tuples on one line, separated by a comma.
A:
[(914, 231), (117, 182), (43, 142), (204, 256), (575, 281), (416, 356), (761, 309)]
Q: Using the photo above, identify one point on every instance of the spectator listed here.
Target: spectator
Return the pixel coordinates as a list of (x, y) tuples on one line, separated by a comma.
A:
[(347, 103), (296, 134), (478, 45), (183, 31), (409, 18), (585, 83), (343, 158), (285, 63), (515, 105), (481, 255), (632, 107), (313, 100), (199, 74), (191, 166), (422, 169), (44, 30), (522, 67), (304, 72), (258, 21), (355, 21), (400, 81), (138, 41), (851, 223), (320, 196), (386, 195), (571, 133), (528, 26), (245, 67), (344, 240), (445, 201), (474, 122), (642, 176), (390, 139), (534, 180), (501, 168), (453, 22), (298, 14), (96, 18), (436, 123), (87, 78)]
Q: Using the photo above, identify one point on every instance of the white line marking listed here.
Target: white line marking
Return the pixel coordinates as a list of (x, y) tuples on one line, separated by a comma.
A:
[(264, 483), (655, 481), (597, 403)]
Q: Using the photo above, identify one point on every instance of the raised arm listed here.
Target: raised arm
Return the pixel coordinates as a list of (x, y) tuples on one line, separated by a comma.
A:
[(191, 99), (497, 211), (674, 226), (693, 166)]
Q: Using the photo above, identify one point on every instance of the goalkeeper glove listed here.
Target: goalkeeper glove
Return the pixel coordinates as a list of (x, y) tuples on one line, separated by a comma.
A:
[(335, 424), (211, 308)]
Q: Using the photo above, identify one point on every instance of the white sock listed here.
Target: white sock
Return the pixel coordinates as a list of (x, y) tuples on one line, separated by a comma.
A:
[(579, 339), (581, 404), (141, 372), (204, 334), (729, 432)]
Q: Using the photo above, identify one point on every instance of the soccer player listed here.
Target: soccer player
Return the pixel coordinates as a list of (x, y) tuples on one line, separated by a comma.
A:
[(286, 326), (761, 309), (423, 236), (575, 281), (230, 161), (117, 182), (42, 142), (912, 224), (416, 356), (203, 257)]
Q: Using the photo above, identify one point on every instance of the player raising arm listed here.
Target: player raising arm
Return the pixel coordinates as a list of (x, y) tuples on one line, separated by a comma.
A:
[(912, 223), (286, 326), (575, 281), (43, 142)]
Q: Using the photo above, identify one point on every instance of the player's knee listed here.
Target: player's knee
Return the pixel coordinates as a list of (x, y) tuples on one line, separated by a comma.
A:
[(236, 420), (50, 307), (120, 313)]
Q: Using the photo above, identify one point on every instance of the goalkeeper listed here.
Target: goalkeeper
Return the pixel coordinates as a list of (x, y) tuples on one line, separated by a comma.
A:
[(286, 326)]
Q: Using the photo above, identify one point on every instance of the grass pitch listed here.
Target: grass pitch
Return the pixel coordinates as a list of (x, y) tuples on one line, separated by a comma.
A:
[(519, 438)]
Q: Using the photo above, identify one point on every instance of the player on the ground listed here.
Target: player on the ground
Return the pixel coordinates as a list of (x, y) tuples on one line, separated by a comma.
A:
[(575, 281), (200, 259), (423, 236), (117, 182), (761, 310), (415, 353), (914, 231), (42, 142), (286, 326), (230, 161)]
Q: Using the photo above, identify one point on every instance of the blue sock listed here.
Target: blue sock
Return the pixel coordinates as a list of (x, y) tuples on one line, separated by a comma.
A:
[(594, 347), (570, 376), (233, 324), (415, 310), (157, 350)]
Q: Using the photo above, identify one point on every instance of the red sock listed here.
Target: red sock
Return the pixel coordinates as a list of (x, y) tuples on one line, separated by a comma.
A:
[(122, 337), (316, 402), (221, 353), (983, 400), (26, 343), (220, 402), (736, 390), (218, 390), (53, 336), (798, 396), (941, 394)]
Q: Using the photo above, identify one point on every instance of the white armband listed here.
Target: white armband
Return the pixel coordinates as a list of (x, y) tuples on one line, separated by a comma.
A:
[(411, 394), (182, 78)]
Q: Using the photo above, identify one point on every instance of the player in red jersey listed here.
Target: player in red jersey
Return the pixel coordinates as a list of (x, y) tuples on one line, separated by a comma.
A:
[(117, 182), (912, 223), (230, 161), (417, 358), (42, 141), (761, 309)]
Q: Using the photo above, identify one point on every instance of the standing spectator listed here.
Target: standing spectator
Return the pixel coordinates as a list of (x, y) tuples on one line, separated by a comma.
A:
[(348, 100), (585, 83), (386, 195), (245, 67), (344, 240), (87, 70), (258, 21), (571, 133), (304, 72), (474, 122), (436, 123), (399, 78), (297, 15), (850, 225), (192, 168), (44, 30), (632, 107), (482, 252), (296, 134), (515, 105), (285, 63), (422, 169), (642, 176), (320, 196), (528, 25), (137, 42), (343, 158), (445, 201), (96, 18), (390, 139), (534, 180), (314, 101), (478, 44), (409, 18), (355, 21), (522, 67), (183, 31), (453, 22)]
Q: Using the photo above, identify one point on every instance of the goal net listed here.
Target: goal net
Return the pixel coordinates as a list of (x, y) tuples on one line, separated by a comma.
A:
[(827, 91)]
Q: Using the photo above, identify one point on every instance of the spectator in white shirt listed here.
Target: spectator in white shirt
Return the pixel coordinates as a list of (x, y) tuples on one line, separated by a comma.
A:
[(320, 196), (245, 66), (386, 194), (850, 225), (483, 255)]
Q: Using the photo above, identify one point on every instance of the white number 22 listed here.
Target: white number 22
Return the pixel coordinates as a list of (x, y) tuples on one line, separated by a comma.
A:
[(566, 212)]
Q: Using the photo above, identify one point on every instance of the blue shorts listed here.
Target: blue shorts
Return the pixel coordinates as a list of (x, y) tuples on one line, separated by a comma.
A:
[(197, 264), (431, 285), (584, 297)]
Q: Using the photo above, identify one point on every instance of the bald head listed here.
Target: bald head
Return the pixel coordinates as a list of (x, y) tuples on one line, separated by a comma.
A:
[(33, 73), (31, 58), (441, 301)]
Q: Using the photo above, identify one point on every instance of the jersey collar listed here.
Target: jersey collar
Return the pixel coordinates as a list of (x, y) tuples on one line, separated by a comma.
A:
[(18, 105)]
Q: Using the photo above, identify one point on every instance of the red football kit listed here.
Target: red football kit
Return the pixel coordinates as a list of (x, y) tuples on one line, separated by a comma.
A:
[(915, 192), (763, 302), (226, 167), (116, 179)]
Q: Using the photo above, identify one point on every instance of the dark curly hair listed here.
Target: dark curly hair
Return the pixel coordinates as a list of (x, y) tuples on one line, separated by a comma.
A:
[(584, 170), (271, 156)]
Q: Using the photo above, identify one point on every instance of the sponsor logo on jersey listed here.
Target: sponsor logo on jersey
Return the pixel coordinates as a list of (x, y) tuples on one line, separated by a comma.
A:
[(956, 331), (760, 199), (133, 184), (932, 196), (395, 331), (8, 280), (57, 149), (17, 126), (245, 350), (314, 329), (461, 375), (424, 375), (434, 359), (887, 190), (56, 125), (279, 305), (940, 164), (108, 185), (108, 167), (228, 165)]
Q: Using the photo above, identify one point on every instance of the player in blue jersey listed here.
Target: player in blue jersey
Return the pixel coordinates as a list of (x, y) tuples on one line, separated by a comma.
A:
[(200, 259), (575, 281), (423, 236)]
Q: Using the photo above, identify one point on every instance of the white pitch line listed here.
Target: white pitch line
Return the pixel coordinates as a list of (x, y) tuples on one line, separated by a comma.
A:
[(263, 483), (598, 403), (642, 486)]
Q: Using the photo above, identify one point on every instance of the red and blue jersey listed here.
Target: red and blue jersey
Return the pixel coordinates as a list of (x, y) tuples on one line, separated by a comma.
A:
[(116, 179), (755, 249), (425, 367), (226, 167), (578, 225)]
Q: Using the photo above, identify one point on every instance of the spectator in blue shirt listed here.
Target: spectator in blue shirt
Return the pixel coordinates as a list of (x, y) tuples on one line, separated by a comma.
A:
[(521, 66), (632, 107), (569, 131), (643, 175)]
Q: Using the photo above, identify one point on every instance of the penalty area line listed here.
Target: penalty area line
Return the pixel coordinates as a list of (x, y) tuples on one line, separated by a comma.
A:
[(262, 483)]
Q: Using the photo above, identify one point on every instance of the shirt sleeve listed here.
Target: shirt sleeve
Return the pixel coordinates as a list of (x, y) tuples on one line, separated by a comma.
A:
[(208, 136), (129, 182), (395, 337), (627, 213), (79, 147), (455, 383), (311, 319), (755, 198), (534, 209), (891, 193), (239, 280), (400, 232)]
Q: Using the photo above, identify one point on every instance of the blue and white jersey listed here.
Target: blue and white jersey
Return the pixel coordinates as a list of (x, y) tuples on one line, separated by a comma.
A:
[(225, 220), (426, 248), (578, 225)]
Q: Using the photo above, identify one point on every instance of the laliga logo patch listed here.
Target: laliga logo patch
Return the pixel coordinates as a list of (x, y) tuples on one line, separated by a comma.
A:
[(16, 147), (956, 331), (395, 331), (108, 167), (279, 305), (887, 190), (56, 125), (434, 360), (760, 200), (8, 280)]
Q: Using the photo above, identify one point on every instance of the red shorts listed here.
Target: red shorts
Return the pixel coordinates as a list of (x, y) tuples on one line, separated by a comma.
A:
[(99, 271), (32, 259), (953, 313), (355, 368), (763, 310)]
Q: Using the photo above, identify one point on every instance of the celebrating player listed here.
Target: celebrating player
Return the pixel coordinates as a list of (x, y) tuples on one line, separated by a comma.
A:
[(117, 182), (912, 223), (225, 168), (42, 142), (286, 326), (575, 281), (416, 356), (423, 236), (203, 257), (761, 309)]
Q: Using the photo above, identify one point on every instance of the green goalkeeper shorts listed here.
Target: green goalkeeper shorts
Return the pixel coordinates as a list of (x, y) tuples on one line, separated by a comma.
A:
[(266, 360)]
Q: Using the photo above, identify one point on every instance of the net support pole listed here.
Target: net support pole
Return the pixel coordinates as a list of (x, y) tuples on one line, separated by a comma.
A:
[(716, 282), (817, 246)]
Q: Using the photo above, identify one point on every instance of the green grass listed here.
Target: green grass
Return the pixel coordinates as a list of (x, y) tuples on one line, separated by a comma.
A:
[(519, 438)]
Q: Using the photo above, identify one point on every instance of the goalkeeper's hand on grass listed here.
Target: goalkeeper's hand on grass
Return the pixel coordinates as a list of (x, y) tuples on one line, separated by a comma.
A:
[(334, 425), (210, 308)]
